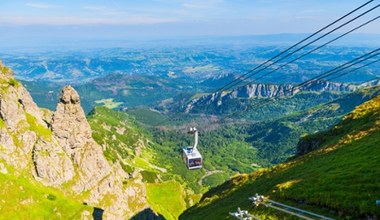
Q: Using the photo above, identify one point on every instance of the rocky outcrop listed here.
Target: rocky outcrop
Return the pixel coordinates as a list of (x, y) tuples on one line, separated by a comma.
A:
[(52, 165), (70, 127), (261, 91), (308, 144), (69, 122), (16, 139), (326, 86), (11, 112), (25, 140)]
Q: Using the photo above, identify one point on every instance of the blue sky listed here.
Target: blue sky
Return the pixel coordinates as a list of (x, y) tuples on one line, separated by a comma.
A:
[(114, 19)]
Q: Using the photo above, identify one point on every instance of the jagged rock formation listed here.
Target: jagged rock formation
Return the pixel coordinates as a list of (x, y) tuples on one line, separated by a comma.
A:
[(262, 90), (70, 127), (61, 150)]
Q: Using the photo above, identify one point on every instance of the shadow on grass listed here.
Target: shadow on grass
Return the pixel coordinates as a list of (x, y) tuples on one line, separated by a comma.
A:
[(147, 214)]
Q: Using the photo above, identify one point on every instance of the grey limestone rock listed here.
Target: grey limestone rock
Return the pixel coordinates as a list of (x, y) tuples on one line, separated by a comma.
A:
[(69, 122), (70, 127), (52, 165), (6, 142), (11, 110)]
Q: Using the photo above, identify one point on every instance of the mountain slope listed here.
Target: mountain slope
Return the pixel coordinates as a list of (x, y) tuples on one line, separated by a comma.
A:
[(342, 175)]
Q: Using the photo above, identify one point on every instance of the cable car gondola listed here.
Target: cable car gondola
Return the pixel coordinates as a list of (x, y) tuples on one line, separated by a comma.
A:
[(191, 155)]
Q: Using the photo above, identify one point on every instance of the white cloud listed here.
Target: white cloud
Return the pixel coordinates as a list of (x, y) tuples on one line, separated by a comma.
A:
[(41, 5)]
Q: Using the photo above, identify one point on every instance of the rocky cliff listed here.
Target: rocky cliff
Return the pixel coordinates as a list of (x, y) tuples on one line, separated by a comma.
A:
[(57, 149), (262, 90)]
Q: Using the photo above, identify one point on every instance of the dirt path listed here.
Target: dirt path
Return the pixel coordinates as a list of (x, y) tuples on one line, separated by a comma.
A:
[(208, 173)]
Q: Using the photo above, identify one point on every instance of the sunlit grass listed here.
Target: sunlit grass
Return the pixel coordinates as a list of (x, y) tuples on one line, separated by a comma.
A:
[(22, 198), (166, 198), (109, 103)]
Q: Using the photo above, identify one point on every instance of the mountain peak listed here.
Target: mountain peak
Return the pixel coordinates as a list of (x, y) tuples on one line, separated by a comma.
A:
[(69, 95), (73, 132), (69, 122)]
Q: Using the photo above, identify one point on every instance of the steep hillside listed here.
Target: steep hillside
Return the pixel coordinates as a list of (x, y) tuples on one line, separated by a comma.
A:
[(340, 178), (125, 142)]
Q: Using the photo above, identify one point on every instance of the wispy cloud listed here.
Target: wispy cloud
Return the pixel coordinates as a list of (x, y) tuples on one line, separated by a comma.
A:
[(305, 18), (41, 5), (56, 21), (198, 4), (102, 10)]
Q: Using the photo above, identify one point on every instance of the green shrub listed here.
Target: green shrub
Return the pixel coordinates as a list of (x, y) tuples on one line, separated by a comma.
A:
[(13, 82), (51, 197), (149, 177)]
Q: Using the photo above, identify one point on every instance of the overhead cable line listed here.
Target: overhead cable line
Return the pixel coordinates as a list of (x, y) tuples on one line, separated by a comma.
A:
[(313, 80), (342, 67), (305, 39), (252, 72), (345, 73), (323, 45)]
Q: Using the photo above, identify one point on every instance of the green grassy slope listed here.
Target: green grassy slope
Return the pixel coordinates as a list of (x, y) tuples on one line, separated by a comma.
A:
[(25, 198), (167, 198), (341, 178)]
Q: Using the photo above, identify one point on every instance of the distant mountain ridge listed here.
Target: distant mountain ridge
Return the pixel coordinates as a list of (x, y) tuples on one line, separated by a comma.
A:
[(264, 90)]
